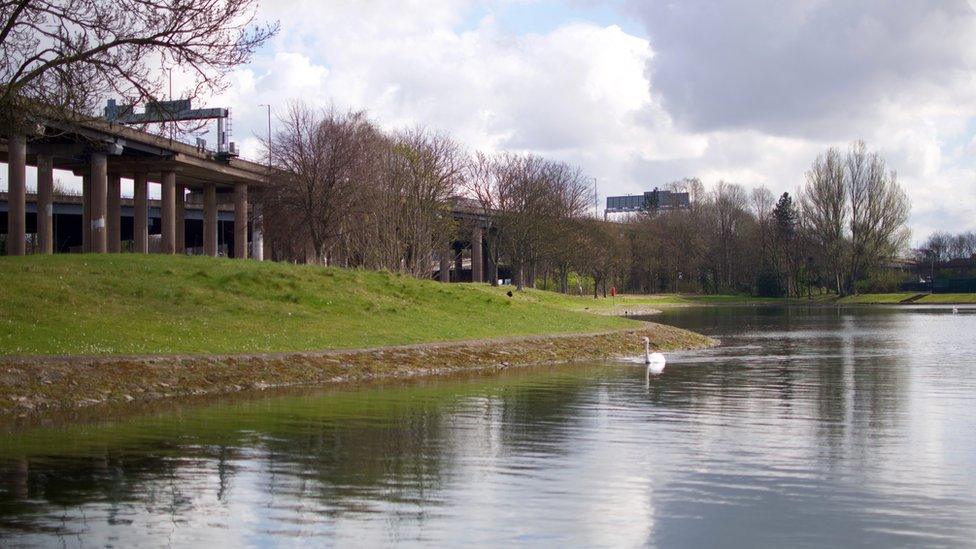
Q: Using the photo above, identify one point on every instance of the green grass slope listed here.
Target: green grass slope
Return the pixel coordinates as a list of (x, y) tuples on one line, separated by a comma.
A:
[(872, 299), (949, 299), (137, 304), (635, 302), (868, 299)]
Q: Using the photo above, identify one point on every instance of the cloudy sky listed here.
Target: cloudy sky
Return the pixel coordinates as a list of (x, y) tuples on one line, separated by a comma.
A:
[(643, 92)]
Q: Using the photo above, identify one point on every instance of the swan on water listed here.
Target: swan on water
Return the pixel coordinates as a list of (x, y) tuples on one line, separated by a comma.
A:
[(955, 310), (655, 361)]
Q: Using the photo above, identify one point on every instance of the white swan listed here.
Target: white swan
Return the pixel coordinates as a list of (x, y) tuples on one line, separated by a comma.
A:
[(655, 361), (955, 310)]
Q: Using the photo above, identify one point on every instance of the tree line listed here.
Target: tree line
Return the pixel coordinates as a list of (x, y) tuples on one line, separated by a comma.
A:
[(943, 247), (848, 219), (354, 195)]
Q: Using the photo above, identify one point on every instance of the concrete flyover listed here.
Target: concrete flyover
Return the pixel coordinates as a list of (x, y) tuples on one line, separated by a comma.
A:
[(198, 190), (102, 153), (466, 258)]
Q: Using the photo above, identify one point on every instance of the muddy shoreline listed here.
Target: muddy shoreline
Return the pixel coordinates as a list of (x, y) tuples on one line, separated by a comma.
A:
[(31, 386)]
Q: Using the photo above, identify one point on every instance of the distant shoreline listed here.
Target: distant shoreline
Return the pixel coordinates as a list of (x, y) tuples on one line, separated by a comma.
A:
[(35, 385)]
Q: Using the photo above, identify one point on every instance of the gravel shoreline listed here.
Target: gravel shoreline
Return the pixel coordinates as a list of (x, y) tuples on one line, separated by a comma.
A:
[(34, 385)]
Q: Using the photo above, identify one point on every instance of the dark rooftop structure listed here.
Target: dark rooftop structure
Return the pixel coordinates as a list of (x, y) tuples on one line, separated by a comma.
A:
[(655, 200)]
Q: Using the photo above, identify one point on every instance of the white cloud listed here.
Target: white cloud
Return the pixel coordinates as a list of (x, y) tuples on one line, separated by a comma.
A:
[(823, 73), (743, 91)]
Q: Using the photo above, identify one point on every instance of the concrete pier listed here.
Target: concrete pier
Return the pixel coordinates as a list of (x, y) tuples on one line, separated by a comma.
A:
[(180, 219), (240, 221), (114, 207), (45, 204), (168, 208), (257, 232), (17, 195), (86, 211), (445, 270), (99, 196), (140, 218), (210, 220), (492, 269), (477, 265)]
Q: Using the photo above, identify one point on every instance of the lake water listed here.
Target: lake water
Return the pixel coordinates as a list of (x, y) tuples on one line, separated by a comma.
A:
[(807, 427)]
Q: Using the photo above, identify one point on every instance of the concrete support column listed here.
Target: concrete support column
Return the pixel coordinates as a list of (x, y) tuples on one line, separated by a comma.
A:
[(180, 219), (140, 218), (240, 221), (477, 265), (16, 195), (45, 204), (257, 232), (492, 267), (99, 206), (168, 196), (86, 212), (114, 206), (445, 271), (210, 220)]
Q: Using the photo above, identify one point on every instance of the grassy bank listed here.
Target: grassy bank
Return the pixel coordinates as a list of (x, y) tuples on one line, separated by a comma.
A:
[(41, 384), (639, 303), (889, 299), (132, 304), (632, 303)]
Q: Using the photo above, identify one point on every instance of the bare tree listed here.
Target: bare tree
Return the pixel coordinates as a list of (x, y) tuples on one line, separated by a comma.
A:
[(568, 199), (421, 173), (728, 205), (763, 202), (963, 245), (523, 206), (481, 182), (878, 212), (823, 205), (62, 57), (856, 212), (324, 154), (939, 246)]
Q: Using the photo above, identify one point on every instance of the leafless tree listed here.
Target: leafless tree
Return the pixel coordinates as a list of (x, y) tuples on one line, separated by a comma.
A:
[(856, 212), (763, 202), (603, 253), (410, 209), (62, 57), (939, 246), (324, 154), (533, 205), (878, 212), (728, 205), (963, 245), (481, 183), (568, 190), (824, 211)]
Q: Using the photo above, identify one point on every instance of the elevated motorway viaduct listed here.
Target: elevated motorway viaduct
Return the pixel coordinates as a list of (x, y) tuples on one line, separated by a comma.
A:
[(203, 205)]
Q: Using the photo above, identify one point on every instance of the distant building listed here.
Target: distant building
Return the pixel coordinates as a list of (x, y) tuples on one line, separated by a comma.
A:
[(650, 201)]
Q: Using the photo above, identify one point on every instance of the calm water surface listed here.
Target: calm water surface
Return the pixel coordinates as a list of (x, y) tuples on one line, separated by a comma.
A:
[(806, 427)]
